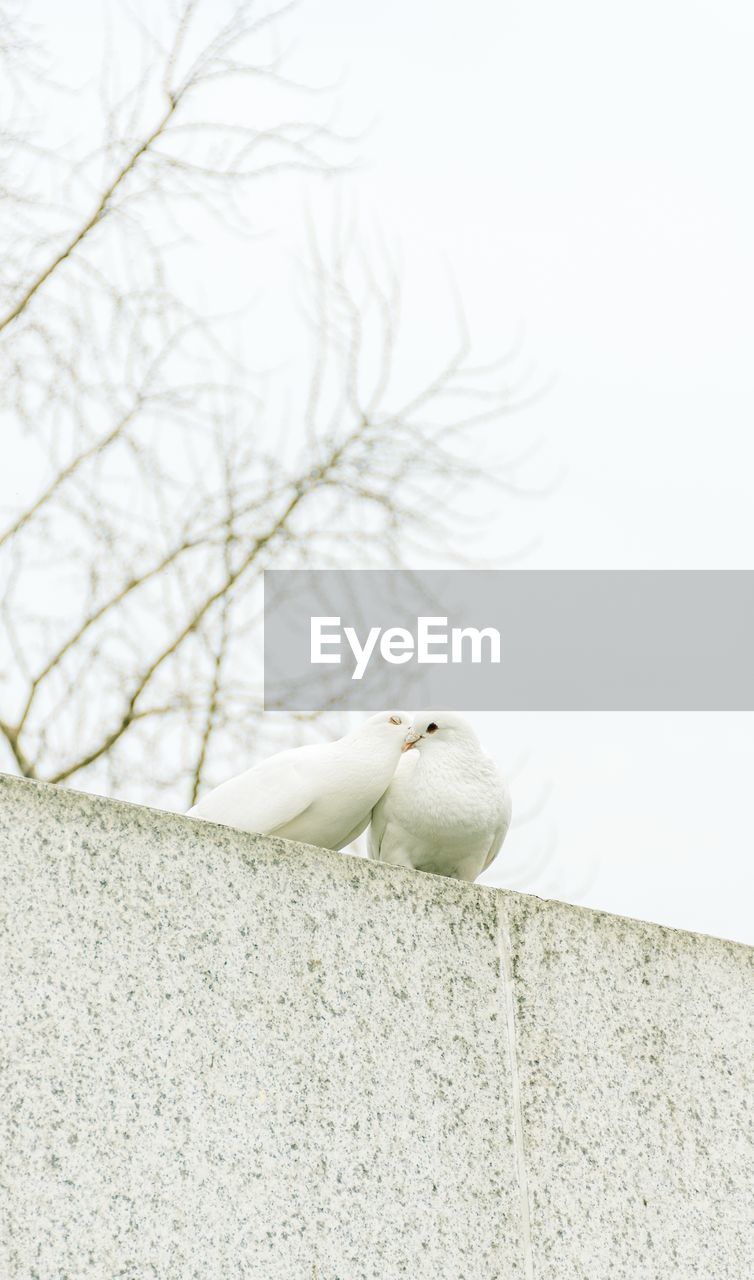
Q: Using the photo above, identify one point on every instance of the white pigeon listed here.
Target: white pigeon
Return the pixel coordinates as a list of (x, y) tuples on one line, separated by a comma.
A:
[(321, 794), (447, 809)]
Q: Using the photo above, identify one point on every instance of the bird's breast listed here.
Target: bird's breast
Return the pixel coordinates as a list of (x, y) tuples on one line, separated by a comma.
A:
[(446, 799)]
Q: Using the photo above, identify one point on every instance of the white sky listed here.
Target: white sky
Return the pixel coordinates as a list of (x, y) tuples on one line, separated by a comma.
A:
[(587, 169)]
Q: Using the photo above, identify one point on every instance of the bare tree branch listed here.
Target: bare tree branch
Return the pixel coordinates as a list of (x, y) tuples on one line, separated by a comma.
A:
[(90, 222), (162, 472)]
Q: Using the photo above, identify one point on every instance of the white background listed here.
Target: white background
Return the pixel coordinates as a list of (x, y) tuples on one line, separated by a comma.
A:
[(586, 169)]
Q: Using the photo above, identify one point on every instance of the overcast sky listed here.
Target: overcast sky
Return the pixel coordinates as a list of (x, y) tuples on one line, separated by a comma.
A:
[(586, 170)]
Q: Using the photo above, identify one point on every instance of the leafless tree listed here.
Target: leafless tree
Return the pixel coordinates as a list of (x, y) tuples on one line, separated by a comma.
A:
[(159, 473)]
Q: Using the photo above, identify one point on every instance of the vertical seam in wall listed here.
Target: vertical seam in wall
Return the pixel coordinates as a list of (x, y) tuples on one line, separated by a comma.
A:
[(506, 979)]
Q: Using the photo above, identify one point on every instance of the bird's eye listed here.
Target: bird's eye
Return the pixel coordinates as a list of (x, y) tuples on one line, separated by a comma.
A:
[(432, 728), (395, 720)]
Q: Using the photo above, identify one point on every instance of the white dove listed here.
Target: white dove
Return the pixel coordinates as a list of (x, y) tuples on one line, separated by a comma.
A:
[(447, 809), (321, 794)]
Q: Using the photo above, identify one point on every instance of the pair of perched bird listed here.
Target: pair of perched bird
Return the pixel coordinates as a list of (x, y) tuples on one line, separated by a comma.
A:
[(435, 800)]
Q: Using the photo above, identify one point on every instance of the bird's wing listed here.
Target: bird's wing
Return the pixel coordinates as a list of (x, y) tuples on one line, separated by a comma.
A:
[(383, 813), (377, 829), (501, 829), (264, 798)]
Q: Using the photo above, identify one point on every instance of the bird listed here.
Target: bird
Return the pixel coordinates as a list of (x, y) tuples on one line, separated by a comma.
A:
[(447, 809), (321, 794)]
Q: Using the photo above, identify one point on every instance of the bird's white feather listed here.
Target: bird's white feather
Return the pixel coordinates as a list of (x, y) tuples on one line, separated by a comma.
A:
[(321, 794), (447, 809)]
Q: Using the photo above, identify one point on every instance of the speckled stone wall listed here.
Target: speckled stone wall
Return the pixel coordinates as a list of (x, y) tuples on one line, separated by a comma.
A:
[(227, 1056)]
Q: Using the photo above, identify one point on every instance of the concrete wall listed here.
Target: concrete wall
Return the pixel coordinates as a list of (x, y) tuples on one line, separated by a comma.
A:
[(226, 1056)]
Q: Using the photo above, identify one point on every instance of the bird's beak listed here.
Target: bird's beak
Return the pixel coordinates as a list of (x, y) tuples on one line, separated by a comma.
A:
[(410, 739)]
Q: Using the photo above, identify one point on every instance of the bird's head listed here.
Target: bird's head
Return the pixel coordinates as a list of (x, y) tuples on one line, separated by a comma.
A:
[(388, 727), (430, 727)]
